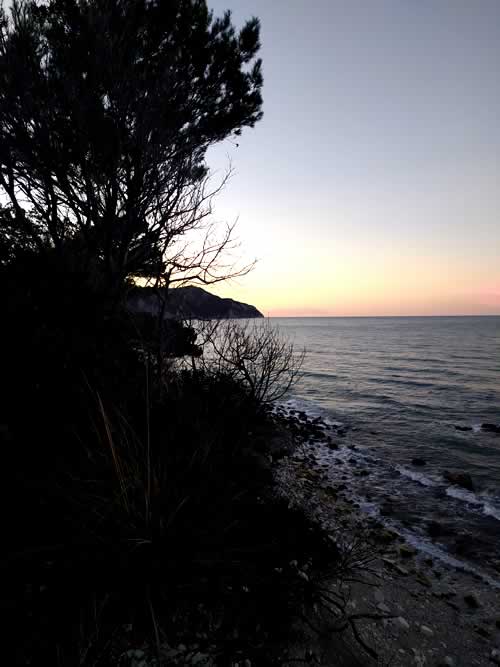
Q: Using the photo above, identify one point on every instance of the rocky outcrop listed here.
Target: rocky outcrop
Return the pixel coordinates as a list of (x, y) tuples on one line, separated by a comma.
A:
[(462, 479), (190, 303)]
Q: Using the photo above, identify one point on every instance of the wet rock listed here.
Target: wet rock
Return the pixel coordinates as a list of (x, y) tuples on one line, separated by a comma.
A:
[(472, 601), (434, 528), (423, 580), (461, 479), (417, 461), (464, 544), (406, 551), (490, 428), (386, 509)]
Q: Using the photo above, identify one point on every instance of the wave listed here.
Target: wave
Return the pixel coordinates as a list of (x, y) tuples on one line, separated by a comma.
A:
[(472, 499), (415, 476), (425, 546)]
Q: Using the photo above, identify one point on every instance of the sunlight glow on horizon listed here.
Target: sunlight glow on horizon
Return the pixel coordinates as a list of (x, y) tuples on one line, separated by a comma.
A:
[(370, 187)]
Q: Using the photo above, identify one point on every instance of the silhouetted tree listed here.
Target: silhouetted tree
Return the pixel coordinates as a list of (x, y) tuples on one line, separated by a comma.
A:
[(107, 109)]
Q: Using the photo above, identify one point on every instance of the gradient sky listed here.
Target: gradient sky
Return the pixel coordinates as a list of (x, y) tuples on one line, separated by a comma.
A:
[(371, 186)]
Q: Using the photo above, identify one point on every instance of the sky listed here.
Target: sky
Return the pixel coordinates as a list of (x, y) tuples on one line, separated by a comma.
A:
[(371, 186)]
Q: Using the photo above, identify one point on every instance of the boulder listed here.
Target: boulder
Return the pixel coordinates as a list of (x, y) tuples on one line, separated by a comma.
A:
[(417, 461), (461, 479)]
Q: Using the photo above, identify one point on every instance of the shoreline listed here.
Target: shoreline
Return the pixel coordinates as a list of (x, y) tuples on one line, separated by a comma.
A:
[(441, 614)]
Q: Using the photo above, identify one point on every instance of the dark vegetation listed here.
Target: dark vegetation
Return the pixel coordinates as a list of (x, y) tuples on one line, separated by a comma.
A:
[(137, 501)]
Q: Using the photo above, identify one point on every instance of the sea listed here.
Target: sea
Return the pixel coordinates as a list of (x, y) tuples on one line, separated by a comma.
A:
[(395, 389)]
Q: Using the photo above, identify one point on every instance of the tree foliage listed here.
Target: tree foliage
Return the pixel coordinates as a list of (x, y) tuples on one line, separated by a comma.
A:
[(107, 109)]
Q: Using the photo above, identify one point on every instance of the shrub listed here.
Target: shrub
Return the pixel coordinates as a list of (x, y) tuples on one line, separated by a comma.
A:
[(256, 354)]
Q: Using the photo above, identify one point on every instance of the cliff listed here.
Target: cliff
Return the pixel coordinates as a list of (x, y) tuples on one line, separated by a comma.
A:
[(190, 302)]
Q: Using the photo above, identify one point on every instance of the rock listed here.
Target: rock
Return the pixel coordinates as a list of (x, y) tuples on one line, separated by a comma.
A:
[(434, 528), (395, 566), (402, 623), (483, 632), (379, 595), (406, 551), (462, 479), (385, 536), (495, 656), (386, 509), (447, 661), (472, 601), (383, 608), (490, 428), (425, 630), (497, 623), (423, 580), (463, 428), (418, 461)]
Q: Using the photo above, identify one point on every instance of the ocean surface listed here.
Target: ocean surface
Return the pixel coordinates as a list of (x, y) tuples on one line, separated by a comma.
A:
[(406, 387)]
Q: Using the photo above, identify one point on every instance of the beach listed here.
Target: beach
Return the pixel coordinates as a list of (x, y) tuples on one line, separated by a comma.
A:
[(431, 611)]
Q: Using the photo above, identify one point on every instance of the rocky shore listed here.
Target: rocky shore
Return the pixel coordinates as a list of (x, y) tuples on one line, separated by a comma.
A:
[(419, 610)]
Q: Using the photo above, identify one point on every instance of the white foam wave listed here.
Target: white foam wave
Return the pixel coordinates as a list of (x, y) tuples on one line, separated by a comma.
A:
[(489, 510), (416, 476), (424, 546), (473, 499)]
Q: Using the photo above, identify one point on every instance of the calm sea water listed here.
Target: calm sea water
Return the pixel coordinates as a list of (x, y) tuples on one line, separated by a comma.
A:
[(402, 386)]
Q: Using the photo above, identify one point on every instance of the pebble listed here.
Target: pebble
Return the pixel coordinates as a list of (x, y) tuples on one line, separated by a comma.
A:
[(402, 623), (425, 630), (495, 656)]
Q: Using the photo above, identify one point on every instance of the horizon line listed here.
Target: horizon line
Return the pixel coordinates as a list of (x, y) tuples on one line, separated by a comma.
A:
[(304, 317)]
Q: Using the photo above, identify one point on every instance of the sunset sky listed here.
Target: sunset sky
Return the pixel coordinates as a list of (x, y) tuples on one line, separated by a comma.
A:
[(372, 185)]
